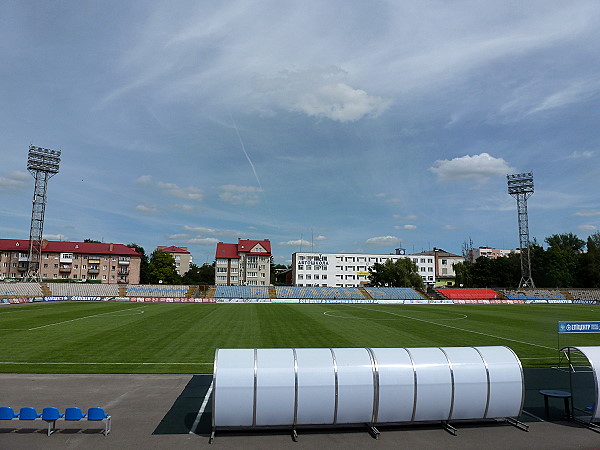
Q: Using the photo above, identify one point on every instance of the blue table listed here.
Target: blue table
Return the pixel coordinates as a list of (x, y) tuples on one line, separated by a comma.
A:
[(556, 394)]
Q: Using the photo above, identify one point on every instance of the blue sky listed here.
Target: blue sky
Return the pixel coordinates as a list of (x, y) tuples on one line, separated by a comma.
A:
[(338, 126)]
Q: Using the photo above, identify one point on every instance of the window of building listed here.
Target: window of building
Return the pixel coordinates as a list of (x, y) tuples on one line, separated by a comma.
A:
[(444, 262), (300, 276)]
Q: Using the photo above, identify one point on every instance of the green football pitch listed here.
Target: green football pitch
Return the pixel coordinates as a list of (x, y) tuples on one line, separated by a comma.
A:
[(73, 337)]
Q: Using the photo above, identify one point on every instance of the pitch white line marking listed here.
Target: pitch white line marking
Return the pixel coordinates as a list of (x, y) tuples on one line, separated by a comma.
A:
[(81, 318), (460, 329), (328, 313), (202, 408)]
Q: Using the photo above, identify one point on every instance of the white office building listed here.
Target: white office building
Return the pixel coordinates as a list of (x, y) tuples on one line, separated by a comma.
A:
[(349, 269)]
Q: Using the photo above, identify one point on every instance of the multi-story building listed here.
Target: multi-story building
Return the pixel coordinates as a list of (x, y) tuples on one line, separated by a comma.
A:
[(247, 263), (78, 261), (349, 269), (443, 265), (181, 255), (489, 252)]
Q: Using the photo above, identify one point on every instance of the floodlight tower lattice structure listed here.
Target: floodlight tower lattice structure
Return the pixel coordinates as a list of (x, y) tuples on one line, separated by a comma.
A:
[(520, 186), (43, 164)]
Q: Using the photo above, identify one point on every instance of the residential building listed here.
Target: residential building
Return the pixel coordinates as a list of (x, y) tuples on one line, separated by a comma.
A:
[(247, 263), (181, 255), (443, 265), (77, 261), (489, 252), (349, 269)]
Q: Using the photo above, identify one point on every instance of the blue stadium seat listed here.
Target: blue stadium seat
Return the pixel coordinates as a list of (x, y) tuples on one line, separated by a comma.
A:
[(7, 413), (51, 414), (74, 413), (28, 413), (97, 414)]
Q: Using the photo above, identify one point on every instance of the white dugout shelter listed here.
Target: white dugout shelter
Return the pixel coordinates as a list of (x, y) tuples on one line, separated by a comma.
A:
[(345, 386)]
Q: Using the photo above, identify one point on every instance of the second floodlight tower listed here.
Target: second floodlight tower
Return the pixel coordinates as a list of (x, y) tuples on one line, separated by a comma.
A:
[(520, 186), (43, 164)]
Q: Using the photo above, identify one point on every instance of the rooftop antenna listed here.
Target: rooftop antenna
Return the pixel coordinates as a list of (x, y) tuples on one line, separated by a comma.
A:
[(520, 186), (43, 165)]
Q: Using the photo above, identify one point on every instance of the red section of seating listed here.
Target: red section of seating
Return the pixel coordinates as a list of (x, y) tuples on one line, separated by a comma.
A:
[(468, 294)]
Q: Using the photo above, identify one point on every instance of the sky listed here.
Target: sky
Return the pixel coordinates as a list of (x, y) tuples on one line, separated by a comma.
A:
[(337, 126)]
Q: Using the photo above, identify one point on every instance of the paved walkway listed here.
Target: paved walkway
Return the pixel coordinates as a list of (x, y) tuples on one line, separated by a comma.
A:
[(161, 412)]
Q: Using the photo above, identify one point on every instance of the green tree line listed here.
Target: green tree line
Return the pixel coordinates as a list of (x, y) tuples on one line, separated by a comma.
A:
[(566, 262)]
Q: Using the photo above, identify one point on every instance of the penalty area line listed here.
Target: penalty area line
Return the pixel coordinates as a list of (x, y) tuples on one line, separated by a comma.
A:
[(84, 317), (460, 329)]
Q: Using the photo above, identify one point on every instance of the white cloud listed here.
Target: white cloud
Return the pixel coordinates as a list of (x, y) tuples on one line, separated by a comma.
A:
[(384, 240), (587, 213), (587, 227), (582, 155), (405, 227), (410, 217), (177, 237), (295, 243), (321, 93), (144, 180), (240, 195), (188, 193), (478, 168), (213, 231), (184, 208), (320, 238), (55, 237), (203, 241), (151, 210), (13, 181), (448, 227)]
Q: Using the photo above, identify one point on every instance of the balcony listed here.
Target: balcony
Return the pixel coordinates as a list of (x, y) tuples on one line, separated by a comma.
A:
[(94, 260), (22, 267), (93, 271), (122, 281), (65, 269), (123, 273), (123, 262)]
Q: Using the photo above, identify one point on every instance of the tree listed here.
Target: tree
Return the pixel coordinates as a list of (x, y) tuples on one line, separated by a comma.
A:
[(566, 240), (144, 276), (201, 275), (161, 268), (92, 241), (400, 273)]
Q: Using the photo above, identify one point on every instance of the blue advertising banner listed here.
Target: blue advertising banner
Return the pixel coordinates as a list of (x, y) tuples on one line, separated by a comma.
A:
[(579, 327)]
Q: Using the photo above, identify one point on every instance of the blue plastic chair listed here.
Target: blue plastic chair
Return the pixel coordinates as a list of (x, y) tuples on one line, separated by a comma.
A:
[(97, 414), (7, 413), (28, 413), (74, 413), (51, 414)]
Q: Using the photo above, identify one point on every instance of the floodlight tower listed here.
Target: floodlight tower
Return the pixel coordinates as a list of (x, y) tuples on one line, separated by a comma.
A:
[(43, 165), (520, 186)]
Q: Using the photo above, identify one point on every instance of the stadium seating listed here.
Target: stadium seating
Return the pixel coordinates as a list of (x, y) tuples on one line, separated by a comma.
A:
[(7, 413), (585, 294), (20, 290), (242, 292), (50, 414), (535, 294), (319, 292), (84, 289), (29, 413), (156, 290), (97, 414), (393, 293), (468, 294)]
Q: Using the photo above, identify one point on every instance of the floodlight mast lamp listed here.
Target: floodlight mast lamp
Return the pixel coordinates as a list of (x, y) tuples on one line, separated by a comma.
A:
[(43, 165), (520, 186)]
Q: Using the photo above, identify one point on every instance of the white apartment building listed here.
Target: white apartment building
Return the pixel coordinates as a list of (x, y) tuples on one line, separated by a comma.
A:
[(489, 252), (349, 269)]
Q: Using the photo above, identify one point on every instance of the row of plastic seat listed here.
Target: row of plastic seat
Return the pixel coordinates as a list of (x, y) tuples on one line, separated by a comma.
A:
[(51, 414)]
